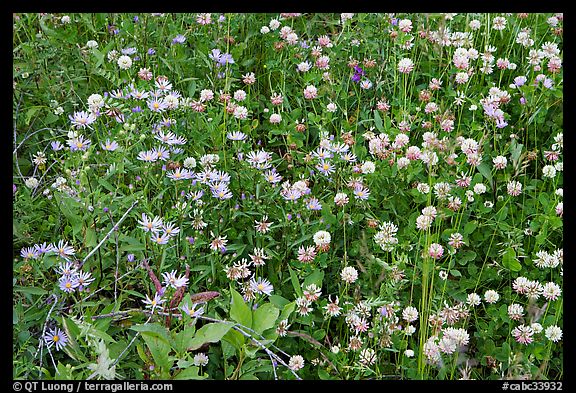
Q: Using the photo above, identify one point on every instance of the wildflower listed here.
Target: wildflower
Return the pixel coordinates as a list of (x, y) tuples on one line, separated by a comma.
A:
[(515, 311), (249, 78), (456, 240), (332, 308), (68, 283), (84, 279), (349, 274), (179, 39), (341, 199), (410, 314), (367, 357), (261, 285), (473, 299), (322, 238), (31, 182), (275, 118), (82, 119), (92, 44), (259, 257), (435, 251), (171, 280), (306, 255), (124, 62), (62, 249), (549, 171), (310, 92), (296, 362), (405, 65), (553, 333), (160, 238), (219, 243), (491, 296), (200, 359), (303, 306), (523, 334), (148, 225), (263, 226), (514, 188), (109, 146), (409, 353), (500, 162), (154, 302), (56, 337), (312, 292), (192, 312), (361, 192), (551, 291), (499, 23), (282, 328)]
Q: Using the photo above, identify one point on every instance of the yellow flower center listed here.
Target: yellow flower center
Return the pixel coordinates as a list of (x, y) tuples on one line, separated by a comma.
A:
[(68, 285), (156, 105), (79, 144), (56, 338), (260, 287), (325, 166)]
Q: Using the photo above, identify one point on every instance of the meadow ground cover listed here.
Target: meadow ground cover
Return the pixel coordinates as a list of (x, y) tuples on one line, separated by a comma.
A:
[(288, 196)]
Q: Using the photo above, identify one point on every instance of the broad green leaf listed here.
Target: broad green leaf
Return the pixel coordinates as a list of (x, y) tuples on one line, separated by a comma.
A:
[(189, 373), (510, 261), (264, 317), (239, 310), (210, 333), (154, 329), (159, 349)]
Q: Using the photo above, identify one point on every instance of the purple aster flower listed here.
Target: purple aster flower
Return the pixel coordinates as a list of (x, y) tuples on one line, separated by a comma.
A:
[(130, 257), (68, 283), (56, 145), (151, 51), (57, 338), (128, 51), (179, 39), (313, 204)]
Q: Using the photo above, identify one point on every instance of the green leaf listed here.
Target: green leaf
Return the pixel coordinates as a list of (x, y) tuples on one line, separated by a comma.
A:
[(378, 121), (510, 261), (484, 169), (159, 349), (210, 333), (182, 338), (315, 277), (264, 317), (295, 282), (189, 373), (470, 227), (154, 329), (239, 310), (30, 290)]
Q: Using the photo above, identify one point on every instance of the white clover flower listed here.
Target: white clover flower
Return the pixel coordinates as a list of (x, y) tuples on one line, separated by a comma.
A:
[(322, 238), (368, 167), (264, 30), (479, 188), (92, 44), (31, 182), (65, 19), (553, 333), (190, 162), (549, 171), (124, 62), (349, 274)]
